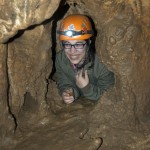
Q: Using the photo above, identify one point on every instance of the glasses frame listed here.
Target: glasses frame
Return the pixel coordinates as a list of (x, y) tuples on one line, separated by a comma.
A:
[(74, 45)]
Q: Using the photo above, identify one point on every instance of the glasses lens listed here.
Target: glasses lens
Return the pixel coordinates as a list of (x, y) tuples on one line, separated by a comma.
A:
[(79, 45), (67, 45)]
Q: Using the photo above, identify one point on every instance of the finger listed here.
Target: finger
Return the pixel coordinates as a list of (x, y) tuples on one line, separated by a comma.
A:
[(68, 101), (67, 91), (70, 90), (80, 73), (77, 76), (67, 97), (85, 74), (65, 94)]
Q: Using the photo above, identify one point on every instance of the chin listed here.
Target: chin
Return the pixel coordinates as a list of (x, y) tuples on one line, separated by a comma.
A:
[(74, 61)]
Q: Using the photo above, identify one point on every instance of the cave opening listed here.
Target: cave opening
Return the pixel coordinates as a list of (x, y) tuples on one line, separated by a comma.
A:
[(58, 15), (83, 103)]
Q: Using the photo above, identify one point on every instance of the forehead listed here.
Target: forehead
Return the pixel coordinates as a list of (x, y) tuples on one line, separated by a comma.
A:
[(74, 41)]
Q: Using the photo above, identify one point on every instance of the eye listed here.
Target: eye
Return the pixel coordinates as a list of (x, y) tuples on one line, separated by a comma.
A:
[(79, 44), (66, 45)]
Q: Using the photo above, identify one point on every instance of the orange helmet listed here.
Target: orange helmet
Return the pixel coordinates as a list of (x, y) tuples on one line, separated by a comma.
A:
[(75, 27)]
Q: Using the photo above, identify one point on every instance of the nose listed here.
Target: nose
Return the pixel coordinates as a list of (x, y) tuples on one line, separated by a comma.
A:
[(72, 50)]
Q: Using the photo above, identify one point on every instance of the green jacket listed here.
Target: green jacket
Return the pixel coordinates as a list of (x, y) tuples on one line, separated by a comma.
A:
[(100, 78)]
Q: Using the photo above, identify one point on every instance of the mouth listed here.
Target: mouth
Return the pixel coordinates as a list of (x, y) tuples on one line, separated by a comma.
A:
[(74, 56)]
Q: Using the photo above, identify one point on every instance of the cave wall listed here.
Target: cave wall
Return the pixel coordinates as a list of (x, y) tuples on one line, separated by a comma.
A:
[(122, 43), (25, 60), (7, 125), (16, 15), (29, 67)]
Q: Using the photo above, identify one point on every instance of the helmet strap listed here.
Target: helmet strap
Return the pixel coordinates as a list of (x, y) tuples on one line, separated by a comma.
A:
[(72, 33)]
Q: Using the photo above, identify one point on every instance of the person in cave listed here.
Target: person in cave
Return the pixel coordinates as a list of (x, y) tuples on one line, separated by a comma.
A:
[(79, 72)]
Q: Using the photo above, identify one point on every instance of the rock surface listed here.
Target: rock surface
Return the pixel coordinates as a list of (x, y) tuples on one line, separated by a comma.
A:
[(32, 113)]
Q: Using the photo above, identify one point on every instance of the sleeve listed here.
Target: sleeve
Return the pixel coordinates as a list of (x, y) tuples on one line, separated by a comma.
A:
[(62, 81), (105, 79)]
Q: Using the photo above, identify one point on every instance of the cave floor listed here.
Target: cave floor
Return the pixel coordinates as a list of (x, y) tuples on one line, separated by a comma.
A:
[(67, 130)]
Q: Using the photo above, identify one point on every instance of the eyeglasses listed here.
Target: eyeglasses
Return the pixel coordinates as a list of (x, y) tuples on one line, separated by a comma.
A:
[(77, 46)]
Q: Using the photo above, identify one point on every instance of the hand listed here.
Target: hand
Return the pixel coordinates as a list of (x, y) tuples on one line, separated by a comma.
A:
[(67, 96), (82, 78)]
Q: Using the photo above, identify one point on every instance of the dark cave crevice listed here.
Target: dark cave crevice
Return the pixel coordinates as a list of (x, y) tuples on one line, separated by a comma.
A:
[(8, 93), (59, 14), (30, 104)]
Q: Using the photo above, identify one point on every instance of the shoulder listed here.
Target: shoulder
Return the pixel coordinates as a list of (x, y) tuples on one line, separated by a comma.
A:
[(99, 67), (97, 61), (60, 55)]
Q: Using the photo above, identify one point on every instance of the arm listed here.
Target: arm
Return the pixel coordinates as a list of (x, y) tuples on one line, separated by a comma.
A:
[(105, 79), (63, 82)]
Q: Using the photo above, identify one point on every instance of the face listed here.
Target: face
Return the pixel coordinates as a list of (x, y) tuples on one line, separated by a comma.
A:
[(75, 50)]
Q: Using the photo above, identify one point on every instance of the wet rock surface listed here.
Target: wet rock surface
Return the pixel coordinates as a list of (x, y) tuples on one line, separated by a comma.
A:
[(32, 113)]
